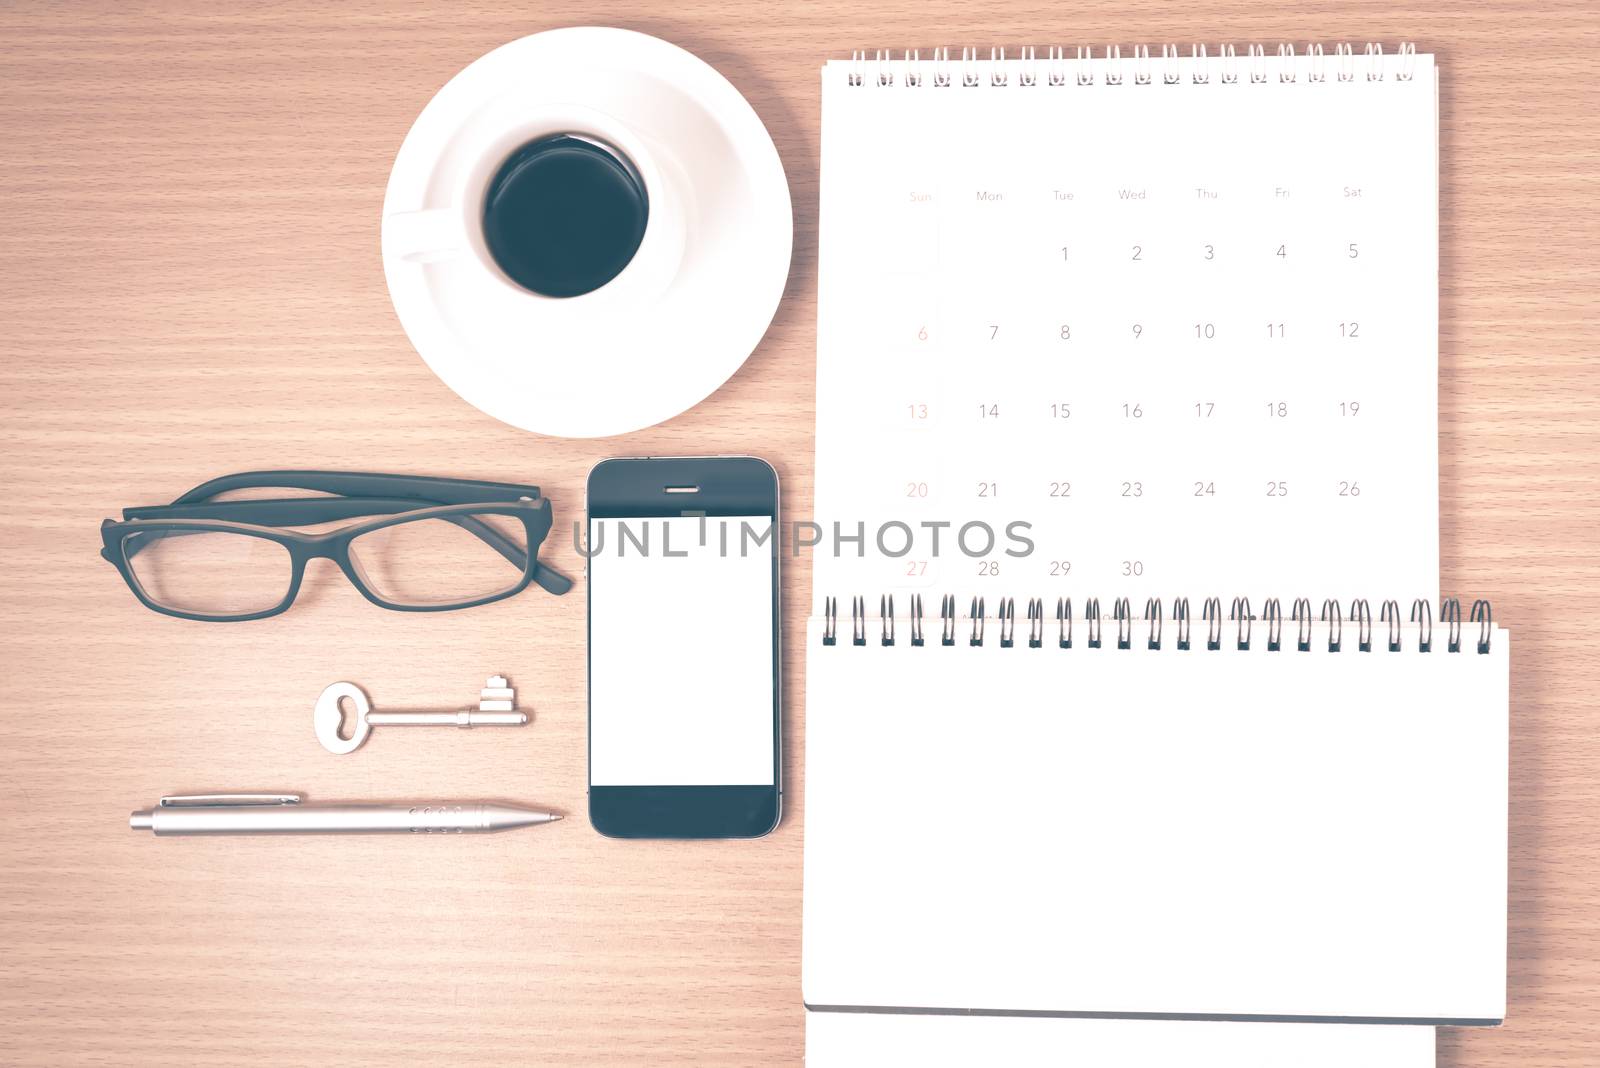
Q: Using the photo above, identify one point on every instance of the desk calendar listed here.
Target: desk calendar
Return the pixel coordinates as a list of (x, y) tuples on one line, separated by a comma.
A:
[(1161, 325)]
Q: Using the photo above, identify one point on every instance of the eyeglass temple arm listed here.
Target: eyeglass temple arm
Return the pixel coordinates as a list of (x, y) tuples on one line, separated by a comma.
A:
[(365, 484), (297, 511)]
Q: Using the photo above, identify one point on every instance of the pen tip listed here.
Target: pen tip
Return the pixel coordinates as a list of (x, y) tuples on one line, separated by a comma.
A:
[(554, 816)]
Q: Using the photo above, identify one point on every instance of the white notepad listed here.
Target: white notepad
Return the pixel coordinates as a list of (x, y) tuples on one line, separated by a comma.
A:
[(871, 1040), (1203, 832), (1166, 328)]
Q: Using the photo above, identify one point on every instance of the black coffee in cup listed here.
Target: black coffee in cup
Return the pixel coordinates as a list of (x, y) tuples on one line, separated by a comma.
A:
[(564, 215)]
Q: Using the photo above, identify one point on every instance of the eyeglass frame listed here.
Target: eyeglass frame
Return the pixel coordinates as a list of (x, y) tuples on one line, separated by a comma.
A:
[(360, 494)]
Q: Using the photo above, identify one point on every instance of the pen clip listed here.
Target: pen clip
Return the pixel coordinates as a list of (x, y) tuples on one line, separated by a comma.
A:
[(228, 800)]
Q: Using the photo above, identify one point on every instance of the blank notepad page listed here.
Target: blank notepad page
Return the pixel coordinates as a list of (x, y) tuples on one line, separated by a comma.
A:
[(1204, 832)]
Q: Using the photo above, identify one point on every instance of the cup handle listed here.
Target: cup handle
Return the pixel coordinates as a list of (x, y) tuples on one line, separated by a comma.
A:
[(424, 236)]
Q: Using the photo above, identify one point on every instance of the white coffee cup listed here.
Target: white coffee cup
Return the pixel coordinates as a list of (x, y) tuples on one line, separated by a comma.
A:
[(475, 154)]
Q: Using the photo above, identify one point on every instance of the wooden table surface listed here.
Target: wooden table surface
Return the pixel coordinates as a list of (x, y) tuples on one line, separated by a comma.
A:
[(189, 208)]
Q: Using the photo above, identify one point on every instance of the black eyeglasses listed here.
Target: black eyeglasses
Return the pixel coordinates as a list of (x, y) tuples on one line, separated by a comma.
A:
[(439, 544)]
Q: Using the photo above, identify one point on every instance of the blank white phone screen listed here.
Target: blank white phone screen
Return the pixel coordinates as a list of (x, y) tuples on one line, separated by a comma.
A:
[(681, 651)]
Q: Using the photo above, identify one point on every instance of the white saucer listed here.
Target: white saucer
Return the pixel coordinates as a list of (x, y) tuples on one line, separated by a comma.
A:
[(595, 369)]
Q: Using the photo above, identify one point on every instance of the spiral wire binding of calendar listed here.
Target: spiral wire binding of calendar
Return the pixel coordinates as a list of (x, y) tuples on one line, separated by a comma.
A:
[(1052, 66), (1211, 614)]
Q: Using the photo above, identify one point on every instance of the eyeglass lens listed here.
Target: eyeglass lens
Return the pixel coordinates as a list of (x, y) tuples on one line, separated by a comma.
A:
[(208, 572), (443, 560)]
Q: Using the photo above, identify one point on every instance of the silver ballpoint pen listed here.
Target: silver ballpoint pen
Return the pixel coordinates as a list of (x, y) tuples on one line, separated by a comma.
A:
[(285, 814)]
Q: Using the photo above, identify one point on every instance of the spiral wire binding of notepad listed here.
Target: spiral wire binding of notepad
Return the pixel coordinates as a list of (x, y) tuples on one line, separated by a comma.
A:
[(878, 67), (1240, 614)]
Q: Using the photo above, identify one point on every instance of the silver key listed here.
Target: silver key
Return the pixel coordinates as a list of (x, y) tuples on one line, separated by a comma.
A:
[(497, 703)]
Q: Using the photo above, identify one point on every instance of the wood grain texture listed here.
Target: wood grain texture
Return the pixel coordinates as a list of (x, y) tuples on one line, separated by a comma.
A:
[(189, 222)]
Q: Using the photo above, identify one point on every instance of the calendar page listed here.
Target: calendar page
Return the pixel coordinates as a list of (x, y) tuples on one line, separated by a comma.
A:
[(1129, 328)]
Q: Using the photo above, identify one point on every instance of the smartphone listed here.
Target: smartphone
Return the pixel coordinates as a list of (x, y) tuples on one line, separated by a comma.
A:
[(684, 673)]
